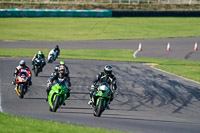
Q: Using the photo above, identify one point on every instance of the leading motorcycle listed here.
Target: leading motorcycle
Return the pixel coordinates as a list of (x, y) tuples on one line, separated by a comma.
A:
[(57, 95)]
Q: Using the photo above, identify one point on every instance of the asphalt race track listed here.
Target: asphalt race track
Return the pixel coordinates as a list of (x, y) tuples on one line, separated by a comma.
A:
[(181, 48), (147, 100)]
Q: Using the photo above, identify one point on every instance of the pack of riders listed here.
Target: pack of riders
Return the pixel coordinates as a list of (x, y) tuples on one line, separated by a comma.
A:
[(61, 71)]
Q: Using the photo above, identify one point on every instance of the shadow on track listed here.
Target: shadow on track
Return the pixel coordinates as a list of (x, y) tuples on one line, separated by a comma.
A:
[(153, 90)]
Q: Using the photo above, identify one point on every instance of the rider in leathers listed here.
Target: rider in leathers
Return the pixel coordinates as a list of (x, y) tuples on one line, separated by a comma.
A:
[(59, 72), (39, 55), (107, 77), (58, 50), (22, 66)]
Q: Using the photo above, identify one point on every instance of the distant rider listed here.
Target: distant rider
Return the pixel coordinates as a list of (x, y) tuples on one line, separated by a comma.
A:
[(41, 56), (107, 77), (22, 66), (56, 49), (59, 72)]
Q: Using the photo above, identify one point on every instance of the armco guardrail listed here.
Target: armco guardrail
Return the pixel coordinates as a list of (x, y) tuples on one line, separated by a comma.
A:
[(155, 13), (54, 13)]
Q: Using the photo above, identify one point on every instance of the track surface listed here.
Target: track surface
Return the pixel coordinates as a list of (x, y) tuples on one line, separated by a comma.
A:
[(147, 101), (181, 48)]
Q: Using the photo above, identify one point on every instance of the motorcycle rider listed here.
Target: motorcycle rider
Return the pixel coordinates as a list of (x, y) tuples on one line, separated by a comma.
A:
[(107, 77), (41, 56), (57, 50), (62, 63), (59, 72), (22, 66)]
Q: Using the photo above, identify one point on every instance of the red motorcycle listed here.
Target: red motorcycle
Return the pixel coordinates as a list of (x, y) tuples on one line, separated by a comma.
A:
[(22, 83)]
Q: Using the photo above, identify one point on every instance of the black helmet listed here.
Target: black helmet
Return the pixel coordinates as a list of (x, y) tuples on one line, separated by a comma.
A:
[(57, 47), (108, 70), (56, 69), (22, 63)]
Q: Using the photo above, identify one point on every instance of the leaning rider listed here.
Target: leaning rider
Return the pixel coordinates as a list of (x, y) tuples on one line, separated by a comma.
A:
[(22, 66), (107, 77), (41, 56), (57, 50)]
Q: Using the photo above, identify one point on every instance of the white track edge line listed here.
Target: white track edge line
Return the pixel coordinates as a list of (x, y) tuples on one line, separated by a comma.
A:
[(134, 54)]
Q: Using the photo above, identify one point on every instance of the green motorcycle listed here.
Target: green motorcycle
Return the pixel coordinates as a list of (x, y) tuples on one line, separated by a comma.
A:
[(101, 98), (57, 95)]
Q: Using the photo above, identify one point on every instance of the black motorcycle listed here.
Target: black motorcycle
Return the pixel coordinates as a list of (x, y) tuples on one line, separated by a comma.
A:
[(37, 66)]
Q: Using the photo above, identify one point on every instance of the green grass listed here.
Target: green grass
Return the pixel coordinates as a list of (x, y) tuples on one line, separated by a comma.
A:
[(16, 124), (188, 69), (97, 28)]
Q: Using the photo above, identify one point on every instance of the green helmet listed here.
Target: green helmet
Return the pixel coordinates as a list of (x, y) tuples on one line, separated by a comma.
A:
[(62, 63), (40, 54)]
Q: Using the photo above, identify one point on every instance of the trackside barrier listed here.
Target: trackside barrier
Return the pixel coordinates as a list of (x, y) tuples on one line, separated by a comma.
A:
[(54, 13), (155, 13), (93, 13)]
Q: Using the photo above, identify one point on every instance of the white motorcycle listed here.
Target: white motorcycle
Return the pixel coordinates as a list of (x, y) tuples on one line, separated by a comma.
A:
[(52, 56)]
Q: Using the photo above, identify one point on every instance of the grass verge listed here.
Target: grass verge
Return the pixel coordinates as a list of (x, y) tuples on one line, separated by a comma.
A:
[(188, 69), (54, 29), (19, 124)]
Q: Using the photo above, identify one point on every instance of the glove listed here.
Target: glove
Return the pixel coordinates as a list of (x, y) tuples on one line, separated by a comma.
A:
[(69, 88), (92, 87), (49, 84)]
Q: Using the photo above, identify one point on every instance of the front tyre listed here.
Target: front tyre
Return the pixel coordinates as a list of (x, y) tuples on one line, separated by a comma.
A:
[(50, 60), (36, 71), (99, 108), (21, 91), (56, 103)]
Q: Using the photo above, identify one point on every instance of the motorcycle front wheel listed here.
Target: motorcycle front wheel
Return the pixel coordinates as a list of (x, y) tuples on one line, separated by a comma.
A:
[(36, 71), (99, 108), (21, 91), (56, 103)]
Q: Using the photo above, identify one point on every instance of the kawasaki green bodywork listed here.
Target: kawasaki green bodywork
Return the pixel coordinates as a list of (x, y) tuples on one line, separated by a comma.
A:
[(102, 94), (57, 89)]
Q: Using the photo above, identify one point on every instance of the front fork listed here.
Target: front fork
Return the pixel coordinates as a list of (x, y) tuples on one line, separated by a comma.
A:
[(16, 88)]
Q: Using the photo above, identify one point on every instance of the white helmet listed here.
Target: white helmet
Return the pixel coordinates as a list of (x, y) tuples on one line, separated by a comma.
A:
[(22, 63)]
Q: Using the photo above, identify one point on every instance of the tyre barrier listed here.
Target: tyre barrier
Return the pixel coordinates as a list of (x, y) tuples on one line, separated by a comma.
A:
[(155, 13)]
